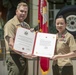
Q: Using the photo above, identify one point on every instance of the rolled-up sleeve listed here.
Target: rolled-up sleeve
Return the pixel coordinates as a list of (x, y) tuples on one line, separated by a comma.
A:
[(72, 43), (9, 30)]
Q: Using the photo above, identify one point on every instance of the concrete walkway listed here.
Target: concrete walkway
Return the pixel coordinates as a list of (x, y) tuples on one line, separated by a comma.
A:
[(3, 69)]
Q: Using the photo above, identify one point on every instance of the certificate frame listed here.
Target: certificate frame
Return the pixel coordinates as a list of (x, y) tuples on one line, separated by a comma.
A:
[(35, 43), (24, 40), (45, 45)]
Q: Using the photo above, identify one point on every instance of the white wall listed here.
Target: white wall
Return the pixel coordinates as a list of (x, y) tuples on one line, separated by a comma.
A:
[(34, 13)]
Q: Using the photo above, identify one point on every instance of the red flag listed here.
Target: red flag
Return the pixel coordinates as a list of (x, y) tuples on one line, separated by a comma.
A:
[(43, 25)]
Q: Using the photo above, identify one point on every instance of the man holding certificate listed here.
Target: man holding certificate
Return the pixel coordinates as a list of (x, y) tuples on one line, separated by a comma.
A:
[(16, 64)]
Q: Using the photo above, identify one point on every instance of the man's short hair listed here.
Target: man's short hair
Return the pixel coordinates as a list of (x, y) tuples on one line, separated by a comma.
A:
[(21, 4)]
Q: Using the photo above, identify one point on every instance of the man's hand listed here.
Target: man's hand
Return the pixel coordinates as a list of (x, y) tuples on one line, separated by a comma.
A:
[(32, 29), (30, 56)]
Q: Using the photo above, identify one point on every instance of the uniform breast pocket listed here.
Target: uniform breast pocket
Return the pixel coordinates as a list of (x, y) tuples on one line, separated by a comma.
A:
[(61, 44)]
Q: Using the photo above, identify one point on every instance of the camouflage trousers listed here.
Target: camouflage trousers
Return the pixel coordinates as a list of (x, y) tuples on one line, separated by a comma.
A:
[(16, 65)]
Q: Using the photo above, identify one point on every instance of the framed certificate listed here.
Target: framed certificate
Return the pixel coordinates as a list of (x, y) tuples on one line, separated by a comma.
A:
[(39, 44), (45, 44), (24, 40)]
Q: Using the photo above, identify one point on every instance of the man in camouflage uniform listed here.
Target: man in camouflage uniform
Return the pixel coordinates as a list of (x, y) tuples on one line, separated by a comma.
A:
[(16, 64)]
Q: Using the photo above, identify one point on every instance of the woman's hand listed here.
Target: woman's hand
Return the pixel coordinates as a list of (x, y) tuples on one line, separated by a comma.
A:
[(55, 57)]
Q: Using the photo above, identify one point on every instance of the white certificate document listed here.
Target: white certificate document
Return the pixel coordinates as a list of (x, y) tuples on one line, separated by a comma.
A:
[(45, 45), (39, 44), (24, 40)]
